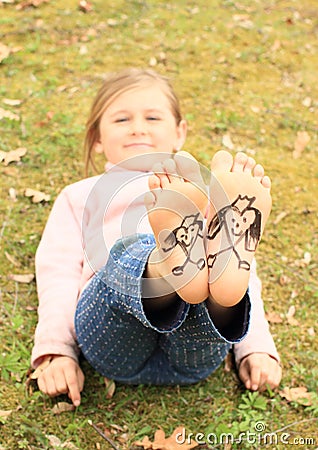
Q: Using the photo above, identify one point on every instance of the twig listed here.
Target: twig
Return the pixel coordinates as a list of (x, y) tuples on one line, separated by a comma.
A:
[(103, 435)]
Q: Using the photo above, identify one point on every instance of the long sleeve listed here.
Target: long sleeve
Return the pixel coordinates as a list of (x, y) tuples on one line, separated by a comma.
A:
[(59, 262), (258, 338)]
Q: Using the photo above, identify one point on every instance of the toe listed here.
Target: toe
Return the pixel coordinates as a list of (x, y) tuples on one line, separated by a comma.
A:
[(188, 167), (258, 172), (249, 165), (154, 182), (150, 200), (266, 182), (239, 162), (222, 161), (161, 173)]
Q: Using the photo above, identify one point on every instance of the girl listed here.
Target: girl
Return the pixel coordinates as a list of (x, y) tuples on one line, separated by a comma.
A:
[(148, 275)]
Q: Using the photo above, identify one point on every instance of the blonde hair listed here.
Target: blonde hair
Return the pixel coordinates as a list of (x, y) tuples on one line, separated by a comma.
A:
[(114, 85)]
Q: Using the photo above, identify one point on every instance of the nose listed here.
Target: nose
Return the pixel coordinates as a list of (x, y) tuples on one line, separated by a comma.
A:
[(138, 126)]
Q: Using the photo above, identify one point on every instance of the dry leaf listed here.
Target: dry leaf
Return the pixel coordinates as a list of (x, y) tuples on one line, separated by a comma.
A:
[(12, 155), (175, 442), (5, 414), (85, 6), (4, 52), (227, 142), (12, 259), (29, 3), (62, 407), (13, 194), (11, 102), (5, 114), (44, 364), (299, 395), (25, 278), (110, 387), (280, 217), (311, 331), (37, 196), (290, 316), (229, 363), (300, 144), (273, 317)]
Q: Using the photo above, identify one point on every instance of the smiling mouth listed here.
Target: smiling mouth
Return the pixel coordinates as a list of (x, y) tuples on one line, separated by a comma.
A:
[(139, 144)]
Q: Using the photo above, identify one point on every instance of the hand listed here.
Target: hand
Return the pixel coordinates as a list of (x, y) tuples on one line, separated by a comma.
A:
[(62, 375), (259, 370)]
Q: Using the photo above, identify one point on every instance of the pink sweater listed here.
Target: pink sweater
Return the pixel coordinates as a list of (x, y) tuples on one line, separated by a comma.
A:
[(86, 220)]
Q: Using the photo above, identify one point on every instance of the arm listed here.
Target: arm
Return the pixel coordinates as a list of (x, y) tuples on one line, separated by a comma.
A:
[(59, 262), (256, 356)]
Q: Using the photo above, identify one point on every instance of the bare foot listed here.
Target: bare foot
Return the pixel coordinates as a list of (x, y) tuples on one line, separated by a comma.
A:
[(176, 205), (240, 203)]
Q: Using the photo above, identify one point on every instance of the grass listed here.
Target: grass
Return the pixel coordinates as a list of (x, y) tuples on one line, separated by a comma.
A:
[(247, 69)]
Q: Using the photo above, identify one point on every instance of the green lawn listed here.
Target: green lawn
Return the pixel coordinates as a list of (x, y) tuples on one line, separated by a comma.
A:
[(245, 69)]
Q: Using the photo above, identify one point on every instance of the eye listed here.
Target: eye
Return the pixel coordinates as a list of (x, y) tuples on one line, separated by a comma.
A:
[(121, 119), (152, 118)]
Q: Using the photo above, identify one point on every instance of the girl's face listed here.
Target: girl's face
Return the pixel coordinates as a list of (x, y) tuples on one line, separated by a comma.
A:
[(139, 121)]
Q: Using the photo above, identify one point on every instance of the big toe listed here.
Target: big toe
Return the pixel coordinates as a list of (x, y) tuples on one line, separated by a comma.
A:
[(222, 161)]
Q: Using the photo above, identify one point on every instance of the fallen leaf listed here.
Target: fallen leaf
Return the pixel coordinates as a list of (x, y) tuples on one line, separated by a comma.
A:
[(290, 316), (175, 442), (5, 114), (227, 142), (25, 278), (300, 144), (299, 395), (85, 6), (62, 407), (311, 331), (273, 317), (229, 363), (12, 259), (11, 102), (5, 414), (37, 196), (4, 52), (307, 102), (280, 217), (44, 364), (110, 387), (13, 194), (12, 155), (30, 3), (276, 46)]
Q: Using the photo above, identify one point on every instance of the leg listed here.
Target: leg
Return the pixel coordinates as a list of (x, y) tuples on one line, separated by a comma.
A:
[(176, 206), (240, 204)]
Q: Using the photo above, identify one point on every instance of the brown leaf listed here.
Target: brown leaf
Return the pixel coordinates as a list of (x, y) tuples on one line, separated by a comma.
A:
[(4, 52), (44, 364), (85, 6), (110, 387), (37, 196), (273, 317), (300, 144), (12, 155), (299, 395), (176, 441), (5, 414), (29, 3), (290, 316), (25, 278), (62, 407), (12, 259), (5, 114), (11, 102)]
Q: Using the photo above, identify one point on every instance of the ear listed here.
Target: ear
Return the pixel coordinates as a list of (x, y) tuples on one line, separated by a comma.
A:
[(181, 134), (98, 147)]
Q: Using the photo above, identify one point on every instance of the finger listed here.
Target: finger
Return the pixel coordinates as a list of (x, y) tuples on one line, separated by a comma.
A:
[(244, 374), (255, 378), (73, 384)]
